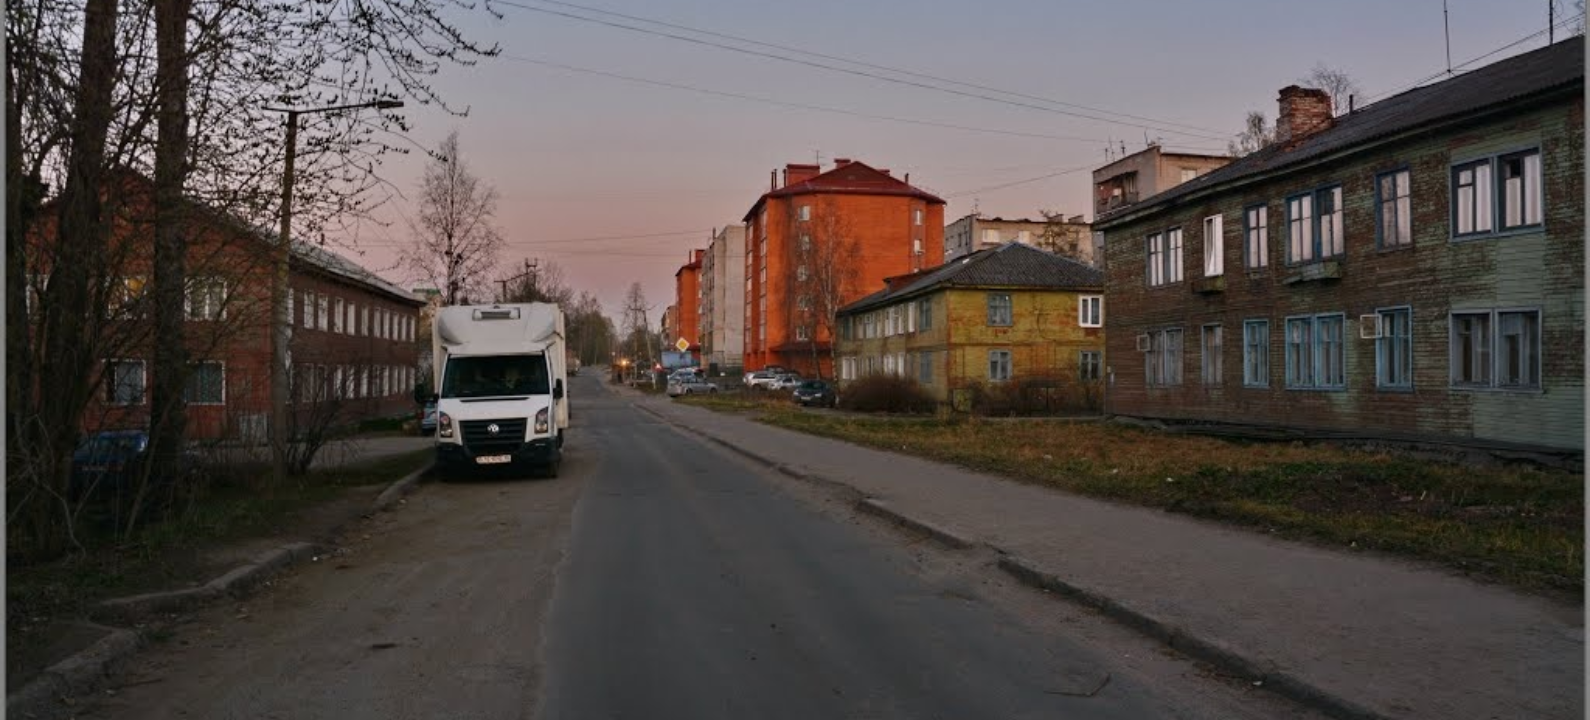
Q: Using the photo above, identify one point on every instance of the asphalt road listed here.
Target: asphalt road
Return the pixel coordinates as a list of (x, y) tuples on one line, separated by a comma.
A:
[(658, 577)]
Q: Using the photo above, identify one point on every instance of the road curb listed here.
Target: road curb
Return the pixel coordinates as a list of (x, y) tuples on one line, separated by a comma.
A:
[(84, 671), (77, 675), (781, 468), (943, 536), (1233, 661)]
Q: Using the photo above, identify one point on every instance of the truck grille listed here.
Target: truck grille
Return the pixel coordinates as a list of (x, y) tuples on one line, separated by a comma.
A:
[(480, 440)]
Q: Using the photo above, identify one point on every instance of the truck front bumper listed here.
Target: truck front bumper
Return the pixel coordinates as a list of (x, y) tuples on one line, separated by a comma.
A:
[(540, 452)]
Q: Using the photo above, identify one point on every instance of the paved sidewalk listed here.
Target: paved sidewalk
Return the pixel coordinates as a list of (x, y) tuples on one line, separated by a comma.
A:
[(1396, 639)]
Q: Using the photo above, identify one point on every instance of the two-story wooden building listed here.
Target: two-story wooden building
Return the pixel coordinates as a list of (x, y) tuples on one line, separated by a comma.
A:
[(1004, 316), (1412, 269)]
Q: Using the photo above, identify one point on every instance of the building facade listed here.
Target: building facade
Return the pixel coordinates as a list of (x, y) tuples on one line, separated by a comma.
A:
[(352, 349), (1413, 269), (723, 298), (687, 303), (1146, 173), (1014, 317), (815, 242), (1070, 237)]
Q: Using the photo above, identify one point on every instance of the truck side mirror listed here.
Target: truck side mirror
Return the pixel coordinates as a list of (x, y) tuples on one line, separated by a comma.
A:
[(433, 397), (557, 389)]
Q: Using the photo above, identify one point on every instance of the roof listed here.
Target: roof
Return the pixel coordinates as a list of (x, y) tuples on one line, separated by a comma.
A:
[(1012, 265), (345, 269), (1552, 68), (852, 178)]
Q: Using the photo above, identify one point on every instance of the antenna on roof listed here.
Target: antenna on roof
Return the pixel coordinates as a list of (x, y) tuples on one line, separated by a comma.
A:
[(1446, 24)]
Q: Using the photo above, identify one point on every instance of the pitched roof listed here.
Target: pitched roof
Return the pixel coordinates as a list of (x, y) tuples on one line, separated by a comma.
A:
[(852, 178), (1013, 265), (347, 270), (1540, 71)]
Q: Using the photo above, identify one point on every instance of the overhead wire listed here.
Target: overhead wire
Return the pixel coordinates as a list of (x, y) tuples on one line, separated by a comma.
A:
[(1439, 74)]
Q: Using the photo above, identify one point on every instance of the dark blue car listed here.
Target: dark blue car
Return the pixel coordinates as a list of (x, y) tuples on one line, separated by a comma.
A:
[(108, 461)]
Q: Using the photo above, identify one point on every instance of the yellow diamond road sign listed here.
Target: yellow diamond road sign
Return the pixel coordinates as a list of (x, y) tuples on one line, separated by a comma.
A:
[(683, 345)]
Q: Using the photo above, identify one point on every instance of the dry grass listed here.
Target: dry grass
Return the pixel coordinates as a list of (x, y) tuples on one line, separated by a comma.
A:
[(740, 402), (1519, 525)]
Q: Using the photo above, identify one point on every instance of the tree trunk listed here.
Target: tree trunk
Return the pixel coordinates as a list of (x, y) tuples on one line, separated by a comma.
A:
[(80, 252), (169, 371)]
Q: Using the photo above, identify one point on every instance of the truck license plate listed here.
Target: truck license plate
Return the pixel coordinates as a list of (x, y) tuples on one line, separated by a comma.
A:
[(494, 459)]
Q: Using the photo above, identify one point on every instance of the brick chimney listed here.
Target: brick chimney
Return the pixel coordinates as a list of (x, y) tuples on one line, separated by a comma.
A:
[(795, 173), (1304, 111), (841, 162)]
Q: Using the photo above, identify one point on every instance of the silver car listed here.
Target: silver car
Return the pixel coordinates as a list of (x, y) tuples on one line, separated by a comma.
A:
[(689, 384)]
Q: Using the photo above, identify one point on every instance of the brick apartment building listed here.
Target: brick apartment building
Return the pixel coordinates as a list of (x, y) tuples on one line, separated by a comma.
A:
[(687, 303), (352, 340), (723, 299), (1412, 270), (795, 227)]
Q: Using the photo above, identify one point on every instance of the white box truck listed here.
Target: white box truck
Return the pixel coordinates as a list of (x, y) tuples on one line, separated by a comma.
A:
[(501, 375)]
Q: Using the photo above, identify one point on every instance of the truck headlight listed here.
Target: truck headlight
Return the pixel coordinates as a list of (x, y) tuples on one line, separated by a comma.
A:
[(541, 421), (444, 425)]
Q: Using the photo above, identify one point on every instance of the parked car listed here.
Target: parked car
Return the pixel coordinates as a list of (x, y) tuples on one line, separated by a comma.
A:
[(774, 369), (108, 461), (787, 382), (761, 380), (816, 392), (428, 418), (689, 384)]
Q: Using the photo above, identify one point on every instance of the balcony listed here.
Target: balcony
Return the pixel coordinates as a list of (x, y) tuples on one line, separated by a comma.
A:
[(1209, 285), (1315, 271)]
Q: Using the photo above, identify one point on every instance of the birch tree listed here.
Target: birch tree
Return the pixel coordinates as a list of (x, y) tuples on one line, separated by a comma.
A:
[(455, 240)]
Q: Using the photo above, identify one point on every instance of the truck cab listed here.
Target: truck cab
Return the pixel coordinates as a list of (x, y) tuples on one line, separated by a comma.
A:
[(501, 387)]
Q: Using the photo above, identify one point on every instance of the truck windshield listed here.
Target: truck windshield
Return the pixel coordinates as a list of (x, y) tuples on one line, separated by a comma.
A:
[(495, 376)]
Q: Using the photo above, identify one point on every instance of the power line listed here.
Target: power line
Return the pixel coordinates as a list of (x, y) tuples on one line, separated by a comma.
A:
[(599, 238), (992, 188), (803, 106), (850, 71), (1471, 61), (874, 66)]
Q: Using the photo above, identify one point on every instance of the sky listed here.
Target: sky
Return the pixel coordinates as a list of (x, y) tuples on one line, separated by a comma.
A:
[(615, 180)]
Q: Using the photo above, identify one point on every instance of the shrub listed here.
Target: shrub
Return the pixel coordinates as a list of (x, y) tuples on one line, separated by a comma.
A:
[(887, 393)]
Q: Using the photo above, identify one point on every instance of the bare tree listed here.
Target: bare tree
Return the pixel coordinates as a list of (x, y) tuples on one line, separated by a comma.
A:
[(455, 242), (1063, 238), (1256, 135), (542, 281), (1336, 83), (637, 328), (823, 278)]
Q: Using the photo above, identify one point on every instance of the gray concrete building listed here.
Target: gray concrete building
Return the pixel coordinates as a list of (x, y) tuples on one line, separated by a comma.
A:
[(1145, 174), (1066, 236), (723, 298)]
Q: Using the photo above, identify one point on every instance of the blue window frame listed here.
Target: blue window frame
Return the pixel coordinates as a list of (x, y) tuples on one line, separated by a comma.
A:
[(1256, 353), (1497, 194), (1393, 210), (1394, 349), (1314, 225), (1256, 236), (1315, 352)]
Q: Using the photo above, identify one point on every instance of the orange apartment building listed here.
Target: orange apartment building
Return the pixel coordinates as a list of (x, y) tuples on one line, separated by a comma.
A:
[(687, 303), (887, 227)]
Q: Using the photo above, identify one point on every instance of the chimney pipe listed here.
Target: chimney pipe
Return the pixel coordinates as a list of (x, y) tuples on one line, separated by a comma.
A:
[(1350, 104), (772, 179)]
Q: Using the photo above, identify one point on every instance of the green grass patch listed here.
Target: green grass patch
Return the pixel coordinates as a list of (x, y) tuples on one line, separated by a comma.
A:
[(740, 402), (1519, 525)]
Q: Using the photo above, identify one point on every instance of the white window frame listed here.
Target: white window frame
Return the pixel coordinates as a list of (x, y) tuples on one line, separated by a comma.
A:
[(805, 213), (1090, 311), (339, 313), (1001, 366), (1090, 365), (1214, 246), (143, 382), (202, 293), (323, 312), (916, 216)]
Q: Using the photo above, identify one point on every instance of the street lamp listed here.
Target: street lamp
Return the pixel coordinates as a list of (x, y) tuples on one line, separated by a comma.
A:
[(280, 322)]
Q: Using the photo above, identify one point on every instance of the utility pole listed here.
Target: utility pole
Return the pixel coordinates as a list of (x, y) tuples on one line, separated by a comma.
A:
[(529, 271)]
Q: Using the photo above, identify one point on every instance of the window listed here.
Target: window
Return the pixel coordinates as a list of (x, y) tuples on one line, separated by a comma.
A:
[(1089, 365), (1256, 234), (290, 318), (800, 273), (1471, 198), (1163, 363), (1520, 185), (806, 242), (1514, 364), (1210, 350), (1394, 349), (801, 333), (1393, 210), (924, 313), (1090, 311), (990, 236), (805, 213), (1256, 353), (999, 309), (128, 295), (916, 216), (124, 382), (206, 299), (339, 313), (206, 384), (998, 365), (1214, 250), (1024, 236), (1314, 225), (924, 371), (1188, 174), (309, 310), (1315, 354), (1164, 258), (324, 312)]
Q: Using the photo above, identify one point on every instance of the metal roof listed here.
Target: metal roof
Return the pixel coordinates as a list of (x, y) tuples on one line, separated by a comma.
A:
[(1012, 265)]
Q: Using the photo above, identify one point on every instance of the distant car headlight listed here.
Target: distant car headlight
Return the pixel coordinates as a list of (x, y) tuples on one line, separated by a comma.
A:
[(444, 425), (541, 421)]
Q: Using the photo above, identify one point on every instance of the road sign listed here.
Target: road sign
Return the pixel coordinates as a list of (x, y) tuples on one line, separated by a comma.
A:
[(683, 344)]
